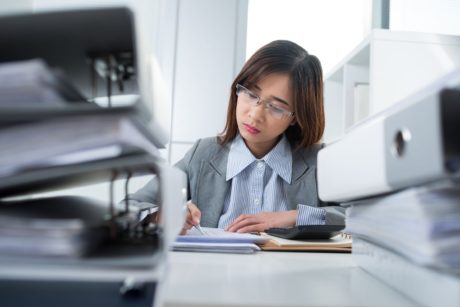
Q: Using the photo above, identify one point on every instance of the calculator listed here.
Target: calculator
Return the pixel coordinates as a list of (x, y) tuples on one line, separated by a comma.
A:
[(306, 232)]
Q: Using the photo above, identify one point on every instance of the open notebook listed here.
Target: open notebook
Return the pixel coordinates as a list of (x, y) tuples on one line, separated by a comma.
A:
[(218, 241)]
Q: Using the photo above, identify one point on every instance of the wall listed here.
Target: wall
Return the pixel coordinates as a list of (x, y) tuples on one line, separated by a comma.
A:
[(210, 50)]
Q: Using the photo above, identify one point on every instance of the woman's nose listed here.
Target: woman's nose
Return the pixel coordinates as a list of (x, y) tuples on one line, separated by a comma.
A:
[(257, 111)]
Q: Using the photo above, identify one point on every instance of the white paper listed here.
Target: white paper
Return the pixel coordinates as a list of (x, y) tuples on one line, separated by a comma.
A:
[(234, 248), (61, 141), (218, 241), (422, 223), (217, 235)]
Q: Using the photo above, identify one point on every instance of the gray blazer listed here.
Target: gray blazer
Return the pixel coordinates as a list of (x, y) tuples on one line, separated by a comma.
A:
[(205, 165)]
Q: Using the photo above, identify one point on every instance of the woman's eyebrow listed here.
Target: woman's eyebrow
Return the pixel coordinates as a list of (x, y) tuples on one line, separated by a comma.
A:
[(274, 97), (280, 100)]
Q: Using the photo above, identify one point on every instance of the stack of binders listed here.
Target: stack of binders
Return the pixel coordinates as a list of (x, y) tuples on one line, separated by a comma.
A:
[(61, 250), (398, 173)]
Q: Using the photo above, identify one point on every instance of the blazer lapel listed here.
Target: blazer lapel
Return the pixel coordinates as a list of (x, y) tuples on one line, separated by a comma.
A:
[(219, 162), (299, 168), (212, 188)]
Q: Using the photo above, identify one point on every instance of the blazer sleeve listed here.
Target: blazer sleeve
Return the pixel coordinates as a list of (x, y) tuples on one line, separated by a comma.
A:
[(148, 194)]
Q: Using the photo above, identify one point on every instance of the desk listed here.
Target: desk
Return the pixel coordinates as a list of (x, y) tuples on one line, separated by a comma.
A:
[(273, 279)]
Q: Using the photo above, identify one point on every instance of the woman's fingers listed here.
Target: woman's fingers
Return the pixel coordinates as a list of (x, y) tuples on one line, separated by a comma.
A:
[(192, 218), (253, 228), (242, 221), (194, 214)]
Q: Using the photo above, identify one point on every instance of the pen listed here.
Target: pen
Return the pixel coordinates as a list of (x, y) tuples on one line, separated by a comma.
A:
[(198, 227)]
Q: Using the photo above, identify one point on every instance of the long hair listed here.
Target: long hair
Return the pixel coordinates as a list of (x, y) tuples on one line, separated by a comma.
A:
[(306, 81)]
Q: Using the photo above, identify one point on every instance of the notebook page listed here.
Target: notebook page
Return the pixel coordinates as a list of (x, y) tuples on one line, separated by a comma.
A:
[(216, 235)]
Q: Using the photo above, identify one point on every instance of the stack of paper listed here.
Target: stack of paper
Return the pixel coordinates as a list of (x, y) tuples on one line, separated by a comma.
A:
[(426, 286), (218, 241), (66, 141), (32, 82), (55, 226), (421, 223)]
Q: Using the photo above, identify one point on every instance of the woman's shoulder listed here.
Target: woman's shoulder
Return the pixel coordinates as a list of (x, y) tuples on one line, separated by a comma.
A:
[(208, 141), (309, 154), (208, 149), (209, 146)]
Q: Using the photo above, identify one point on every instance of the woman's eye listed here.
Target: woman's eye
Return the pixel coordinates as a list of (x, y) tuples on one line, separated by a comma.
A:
[(274, 108), (252, 96)]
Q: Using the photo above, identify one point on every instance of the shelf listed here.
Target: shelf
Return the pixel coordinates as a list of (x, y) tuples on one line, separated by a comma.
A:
[(383, 69), (358, 56)]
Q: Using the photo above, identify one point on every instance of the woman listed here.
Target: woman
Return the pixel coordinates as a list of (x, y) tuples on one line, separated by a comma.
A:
[(260, 172)]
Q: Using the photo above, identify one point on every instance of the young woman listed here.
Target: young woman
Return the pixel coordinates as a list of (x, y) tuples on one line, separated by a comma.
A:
[(260, 172)]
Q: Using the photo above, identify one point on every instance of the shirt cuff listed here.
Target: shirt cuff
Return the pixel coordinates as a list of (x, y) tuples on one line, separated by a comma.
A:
[(308, 215)]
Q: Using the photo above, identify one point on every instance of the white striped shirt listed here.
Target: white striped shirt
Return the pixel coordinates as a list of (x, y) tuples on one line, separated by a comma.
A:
[(257, 184)]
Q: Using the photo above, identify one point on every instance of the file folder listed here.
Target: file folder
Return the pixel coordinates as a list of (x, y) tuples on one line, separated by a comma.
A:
[(412, 143)]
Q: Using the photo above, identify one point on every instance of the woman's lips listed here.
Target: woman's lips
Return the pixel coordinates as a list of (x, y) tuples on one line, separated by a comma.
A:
[(251, 129)]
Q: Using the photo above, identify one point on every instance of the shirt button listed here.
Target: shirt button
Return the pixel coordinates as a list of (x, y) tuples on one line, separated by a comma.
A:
[(257, 201), (260, 164)]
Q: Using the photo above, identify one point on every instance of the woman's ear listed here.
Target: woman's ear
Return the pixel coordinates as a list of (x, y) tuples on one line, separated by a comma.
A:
[(293, 122)]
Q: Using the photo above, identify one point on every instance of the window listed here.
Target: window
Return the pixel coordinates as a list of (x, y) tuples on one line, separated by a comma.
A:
[(435, 16), (329, 29)]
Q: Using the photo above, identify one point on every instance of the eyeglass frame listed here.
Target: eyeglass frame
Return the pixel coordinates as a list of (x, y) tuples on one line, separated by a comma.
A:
[(268, 105)]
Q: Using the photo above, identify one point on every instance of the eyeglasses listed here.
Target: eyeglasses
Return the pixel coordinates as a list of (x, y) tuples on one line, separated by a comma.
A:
[(254, 100)]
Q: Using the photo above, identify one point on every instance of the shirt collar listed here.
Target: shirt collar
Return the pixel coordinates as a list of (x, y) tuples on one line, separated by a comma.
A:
[(279, 158)]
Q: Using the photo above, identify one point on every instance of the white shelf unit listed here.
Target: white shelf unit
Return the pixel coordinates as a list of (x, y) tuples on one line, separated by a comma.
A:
[(383, 69)]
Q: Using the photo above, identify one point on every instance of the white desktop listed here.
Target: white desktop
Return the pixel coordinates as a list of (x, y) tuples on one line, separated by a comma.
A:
[(273, 279)]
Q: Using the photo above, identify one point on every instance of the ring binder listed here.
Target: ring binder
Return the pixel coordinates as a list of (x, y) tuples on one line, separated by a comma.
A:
[(393, 146)]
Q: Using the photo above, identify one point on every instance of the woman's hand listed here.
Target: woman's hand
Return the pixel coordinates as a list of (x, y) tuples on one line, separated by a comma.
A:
[(264, 220), (193, 217)]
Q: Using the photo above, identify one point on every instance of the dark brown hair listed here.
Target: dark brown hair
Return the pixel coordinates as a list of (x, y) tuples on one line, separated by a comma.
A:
[(306, 82)]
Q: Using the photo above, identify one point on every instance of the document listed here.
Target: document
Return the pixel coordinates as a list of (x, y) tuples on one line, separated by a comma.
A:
[(339, 243), (63, 227), (421, 223), (65, 141), (33, 83), (232, 248), (218, 241)]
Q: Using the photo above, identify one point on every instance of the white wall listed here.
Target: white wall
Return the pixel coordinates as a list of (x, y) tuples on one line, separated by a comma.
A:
[(209, 52)]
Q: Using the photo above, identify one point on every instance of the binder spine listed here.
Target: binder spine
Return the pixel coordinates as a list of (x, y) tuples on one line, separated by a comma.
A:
[(414, 143)]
